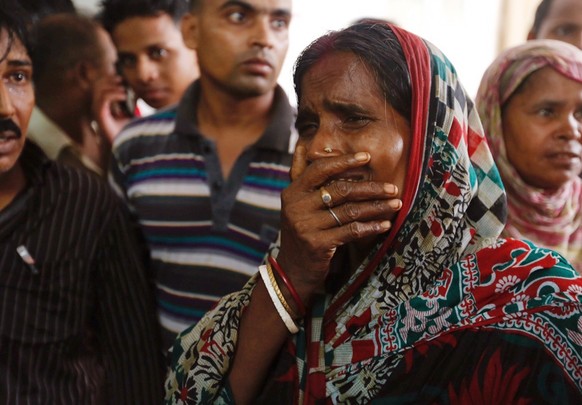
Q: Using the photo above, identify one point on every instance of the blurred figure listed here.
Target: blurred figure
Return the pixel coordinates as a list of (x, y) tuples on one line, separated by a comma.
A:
[(76, 310), (558, 19), (530, 103), (204, 178), (153, 58), (77, 91)]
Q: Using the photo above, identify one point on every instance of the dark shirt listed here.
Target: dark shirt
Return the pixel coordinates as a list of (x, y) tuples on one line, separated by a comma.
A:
[(78, 326)]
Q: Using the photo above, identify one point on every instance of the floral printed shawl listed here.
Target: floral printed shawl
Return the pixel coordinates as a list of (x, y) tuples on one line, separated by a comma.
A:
[(550, 220), (441, 310)]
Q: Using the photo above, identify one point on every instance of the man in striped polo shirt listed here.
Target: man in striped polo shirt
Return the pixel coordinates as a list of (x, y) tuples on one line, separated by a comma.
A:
[(204, 178)]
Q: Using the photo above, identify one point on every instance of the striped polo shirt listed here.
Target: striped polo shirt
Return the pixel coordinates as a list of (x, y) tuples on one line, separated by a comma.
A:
[(206, 234)]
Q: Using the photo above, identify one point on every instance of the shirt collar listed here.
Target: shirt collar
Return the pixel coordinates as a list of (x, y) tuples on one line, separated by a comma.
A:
[(281, 122)]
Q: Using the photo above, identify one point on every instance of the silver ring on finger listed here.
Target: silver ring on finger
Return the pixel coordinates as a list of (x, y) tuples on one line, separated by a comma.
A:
[(334, 215), (325, 197)]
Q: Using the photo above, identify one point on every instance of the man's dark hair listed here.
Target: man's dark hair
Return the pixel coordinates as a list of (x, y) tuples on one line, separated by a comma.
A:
[(114, 12), (541, 13), (378, 48), (38, 9), (15, 22), (62, 40)]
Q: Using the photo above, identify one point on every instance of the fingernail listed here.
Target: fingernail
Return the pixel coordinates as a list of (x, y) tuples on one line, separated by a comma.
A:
[(362, 156), (395, 204), (390, 188), (386, 224)]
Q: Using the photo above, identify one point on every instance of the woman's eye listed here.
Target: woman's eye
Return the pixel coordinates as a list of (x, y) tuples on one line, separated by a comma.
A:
[(306, 130), (357, 121), (565, 30)]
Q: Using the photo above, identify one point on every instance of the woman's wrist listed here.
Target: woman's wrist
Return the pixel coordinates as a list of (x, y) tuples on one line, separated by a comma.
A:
[(298, 294)]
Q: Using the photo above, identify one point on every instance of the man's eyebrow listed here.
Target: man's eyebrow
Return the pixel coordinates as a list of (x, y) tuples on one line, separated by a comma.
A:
[(250, 7), (19, 63), (242, 4)]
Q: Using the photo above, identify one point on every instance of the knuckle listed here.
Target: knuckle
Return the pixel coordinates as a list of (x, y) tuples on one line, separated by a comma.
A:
[(379, 205), (302, 228), (376, 188), (351, 211), (342, 189), (356, 230)]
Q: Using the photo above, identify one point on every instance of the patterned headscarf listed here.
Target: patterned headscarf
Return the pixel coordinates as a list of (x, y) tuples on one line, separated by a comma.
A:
[(552, 220), (432, 274)]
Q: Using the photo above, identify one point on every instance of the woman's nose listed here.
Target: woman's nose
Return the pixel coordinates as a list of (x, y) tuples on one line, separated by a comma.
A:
[(571, 127), (324, 144)]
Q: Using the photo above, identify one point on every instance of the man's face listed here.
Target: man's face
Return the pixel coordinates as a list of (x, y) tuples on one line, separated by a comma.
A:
[(16, 101), (241, 45), (563, 22), (154, 59)]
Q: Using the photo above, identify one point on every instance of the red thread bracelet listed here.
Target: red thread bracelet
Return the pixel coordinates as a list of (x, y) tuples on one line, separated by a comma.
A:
[(288, 284)]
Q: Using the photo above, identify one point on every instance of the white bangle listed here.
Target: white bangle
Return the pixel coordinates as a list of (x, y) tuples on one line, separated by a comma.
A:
[(287, 320)]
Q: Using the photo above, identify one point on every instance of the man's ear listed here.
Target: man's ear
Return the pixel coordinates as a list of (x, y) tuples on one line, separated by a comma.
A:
[(85, 74), (189, 28)]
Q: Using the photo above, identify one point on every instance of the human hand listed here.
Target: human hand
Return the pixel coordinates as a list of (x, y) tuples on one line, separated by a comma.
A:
[(310, 235), (108, 93)]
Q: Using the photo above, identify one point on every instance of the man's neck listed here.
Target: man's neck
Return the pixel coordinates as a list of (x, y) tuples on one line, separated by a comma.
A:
[(223, 115), (233, 123), (70, 120), (11, 183), (76, 124)]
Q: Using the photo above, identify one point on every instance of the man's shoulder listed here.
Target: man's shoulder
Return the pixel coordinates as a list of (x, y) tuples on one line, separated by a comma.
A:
[(161, 123), (78, 186)]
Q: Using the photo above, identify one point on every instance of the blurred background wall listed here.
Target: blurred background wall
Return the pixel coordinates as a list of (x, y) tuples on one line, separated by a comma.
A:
[(470, 32)]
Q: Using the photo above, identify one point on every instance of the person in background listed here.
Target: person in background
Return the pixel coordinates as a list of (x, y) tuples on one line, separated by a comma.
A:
[(152, 56), (77, 91), (389, 284), (530, 103), (560, 20), (204, 178), (77, 322)]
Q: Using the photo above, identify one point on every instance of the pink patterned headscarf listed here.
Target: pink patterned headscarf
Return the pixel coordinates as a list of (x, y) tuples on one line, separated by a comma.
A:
[(552, 220)]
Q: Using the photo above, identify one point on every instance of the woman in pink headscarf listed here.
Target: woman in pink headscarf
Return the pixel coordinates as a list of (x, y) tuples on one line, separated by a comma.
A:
[(530, 103)]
